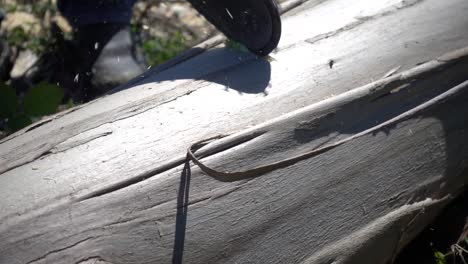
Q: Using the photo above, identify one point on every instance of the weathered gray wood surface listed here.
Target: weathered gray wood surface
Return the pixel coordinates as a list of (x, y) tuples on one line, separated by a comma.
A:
[(108, 182)]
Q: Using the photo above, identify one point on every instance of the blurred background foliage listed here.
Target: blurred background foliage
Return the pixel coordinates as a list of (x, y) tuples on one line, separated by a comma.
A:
[(18, 112)]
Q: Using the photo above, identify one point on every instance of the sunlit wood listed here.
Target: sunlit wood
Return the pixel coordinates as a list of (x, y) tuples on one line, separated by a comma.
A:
[(370, 95)]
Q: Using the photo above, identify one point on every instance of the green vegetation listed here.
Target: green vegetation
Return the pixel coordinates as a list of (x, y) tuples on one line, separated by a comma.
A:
[(16, 112), (439, 257), (158, 50), (22, 39), (457, 254), (231, 44)]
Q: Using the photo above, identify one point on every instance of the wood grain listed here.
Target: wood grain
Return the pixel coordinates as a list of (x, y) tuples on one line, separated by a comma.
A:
[(109, 181)]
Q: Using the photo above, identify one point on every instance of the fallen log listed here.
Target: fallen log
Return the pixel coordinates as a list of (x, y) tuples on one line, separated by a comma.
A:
[(339, 149)]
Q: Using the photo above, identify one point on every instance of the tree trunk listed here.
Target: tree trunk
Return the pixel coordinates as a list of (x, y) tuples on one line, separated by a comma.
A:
[(340, 148)]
